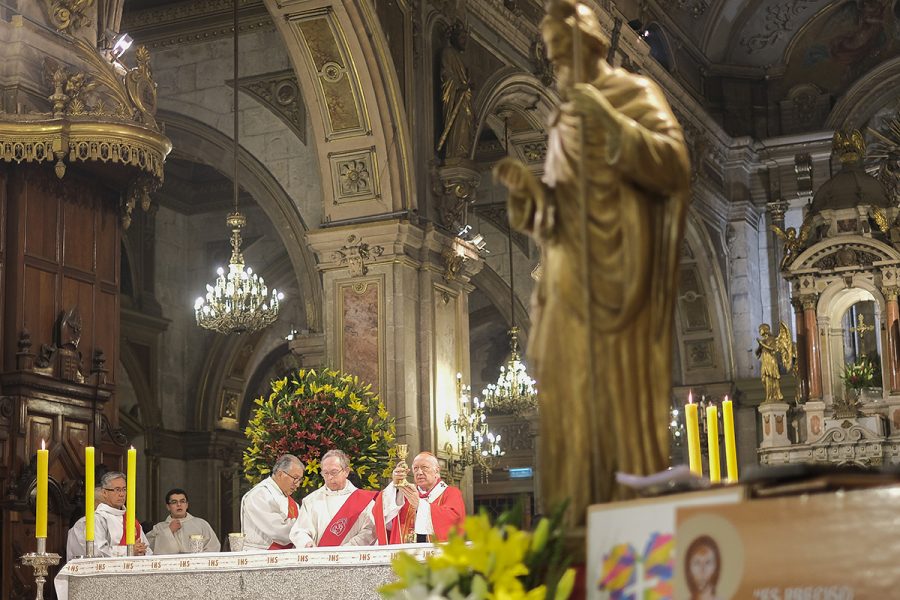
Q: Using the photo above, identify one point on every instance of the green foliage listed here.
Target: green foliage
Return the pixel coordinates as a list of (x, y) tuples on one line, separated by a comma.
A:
[(499, 562), (308, 413)]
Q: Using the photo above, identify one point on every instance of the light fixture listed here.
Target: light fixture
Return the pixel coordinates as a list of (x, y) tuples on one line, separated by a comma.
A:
[(239, 302), (514, 393), (477, 446), (121, 44)]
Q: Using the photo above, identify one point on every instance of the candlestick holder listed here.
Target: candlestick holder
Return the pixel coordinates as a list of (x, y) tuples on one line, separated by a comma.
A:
[(89, 549), (129, 549), (40, 561)]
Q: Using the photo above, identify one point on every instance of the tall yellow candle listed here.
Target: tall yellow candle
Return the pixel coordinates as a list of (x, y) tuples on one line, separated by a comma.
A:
[(131, 478), (712, 442), (693, 436), (730, 448), (89, 486), (43, 461)]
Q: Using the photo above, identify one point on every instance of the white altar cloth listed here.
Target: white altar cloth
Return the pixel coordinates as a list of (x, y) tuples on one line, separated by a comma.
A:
[(314, 573)]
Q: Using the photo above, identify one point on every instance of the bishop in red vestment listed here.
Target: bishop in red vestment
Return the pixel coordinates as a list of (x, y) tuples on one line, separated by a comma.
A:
[(425, 512)]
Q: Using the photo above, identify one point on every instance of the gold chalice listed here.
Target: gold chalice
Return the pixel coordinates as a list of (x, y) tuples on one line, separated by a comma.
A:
[(402, 453)]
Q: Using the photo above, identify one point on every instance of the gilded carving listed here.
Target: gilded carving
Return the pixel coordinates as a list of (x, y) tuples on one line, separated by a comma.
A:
[(793, 242), (338, 84), (540, 64), (453, 264), (770, 349), (534, 152), (354, 255), (229, 405), (65, 14)]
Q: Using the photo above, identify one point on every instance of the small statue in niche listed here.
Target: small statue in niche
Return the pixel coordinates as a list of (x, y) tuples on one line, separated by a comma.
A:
[(458, 132)]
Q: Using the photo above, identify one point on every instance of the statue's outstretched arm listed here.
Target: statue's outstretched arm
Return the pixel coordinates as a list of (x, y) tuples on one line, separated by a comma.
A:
[(529, 205)]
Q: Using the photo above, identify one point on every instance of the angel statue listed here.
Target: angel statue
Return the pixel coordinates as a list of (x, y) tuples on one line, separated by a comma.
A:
[(792, 242), (770, 348)]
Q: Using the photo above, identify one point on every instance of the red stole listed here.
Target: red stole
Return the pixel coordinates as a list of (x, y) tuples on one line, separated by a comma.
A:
[(293, 513), (137, 531), (345, 518)]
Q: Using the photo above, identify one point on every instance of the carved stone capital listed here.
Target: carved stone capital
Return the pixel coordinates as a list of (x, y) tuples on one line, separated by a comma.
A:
[(809, 301), (455, 186), (891, 292), (354, 255)]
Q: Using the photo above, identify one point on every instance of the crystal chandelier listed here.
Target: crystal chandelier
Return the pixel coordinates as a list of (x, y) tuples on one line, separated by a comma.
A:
[(476, 445), (514, 393), (239, 301)]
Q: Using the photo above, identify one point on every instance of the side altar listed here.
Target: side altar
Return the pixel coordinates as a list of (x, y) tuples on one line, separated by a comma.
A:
[(312, 573)]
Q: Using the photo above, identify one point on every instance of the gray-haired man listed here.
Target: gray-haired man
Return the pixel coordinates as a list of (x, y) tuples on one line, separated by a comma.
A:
[(267, 511)]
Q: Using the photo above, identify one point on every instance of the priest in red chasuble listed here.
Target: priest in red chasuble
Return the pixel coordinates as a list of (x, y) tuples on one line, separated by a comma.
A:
[(338, 513), (267, 511), (425, 512)]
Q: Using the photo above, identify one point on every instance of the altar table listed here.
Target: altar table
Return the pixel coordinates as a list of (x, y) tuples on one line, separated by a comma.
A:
[(314, 573)]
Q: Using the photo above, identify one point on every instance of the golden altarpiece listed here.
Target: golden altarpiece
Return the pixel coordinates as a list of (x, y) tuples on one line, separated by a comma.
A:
[(80, 148), (843, 265)]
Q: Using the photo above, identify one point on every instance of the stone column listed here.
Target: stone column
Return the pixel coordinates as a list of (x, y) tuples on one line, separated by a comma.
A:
[(891, 322), (397, 315), (774, 424), (813, 353)]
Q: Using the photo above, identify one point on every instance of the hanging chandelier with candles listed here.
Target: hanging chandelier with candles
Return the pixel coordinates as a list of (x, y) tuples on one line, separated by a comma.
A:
[(239, 301), (476, 445), (514, 393)]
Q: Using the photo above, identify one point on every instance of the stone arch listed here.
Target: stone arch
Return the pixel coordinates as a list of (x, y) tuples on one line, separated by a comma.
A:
[(209, 146), (808, 258), (703, 335), (872, 92), (143, 390), (514, 90), (339, 52)]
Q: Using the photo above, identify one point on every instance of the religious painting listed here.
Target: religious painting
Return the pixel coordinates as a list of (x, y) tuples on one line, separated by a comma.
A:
[(842, 43), (631, 545), (358, 331)]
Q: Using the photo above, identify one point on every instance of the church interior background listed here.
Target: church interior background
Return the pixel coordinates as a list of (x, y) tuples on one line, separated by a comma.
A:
[(394, 255)]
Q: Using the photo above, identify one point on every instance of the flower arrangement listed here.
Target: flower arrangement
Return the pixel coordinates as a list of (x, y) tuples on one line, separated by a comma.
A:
[(310, 412), (499, 562), (858, 375)]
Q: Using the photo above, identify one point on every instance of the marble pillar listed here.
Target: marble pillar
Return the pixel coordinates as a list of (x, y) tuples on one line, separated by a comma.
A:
[(397, 316), (813, 352), (892, 315)]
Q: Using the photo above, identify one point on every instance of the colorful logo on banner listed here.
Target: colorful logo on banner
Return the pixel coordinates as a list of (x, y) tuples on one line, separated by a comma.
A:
[(629, 576)]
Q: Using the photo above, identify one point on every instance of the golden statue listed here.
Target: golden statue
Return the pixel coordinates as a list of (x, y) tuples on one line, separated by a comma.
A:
[(792, 242), (456, 97), (609, 217), (769, 349)]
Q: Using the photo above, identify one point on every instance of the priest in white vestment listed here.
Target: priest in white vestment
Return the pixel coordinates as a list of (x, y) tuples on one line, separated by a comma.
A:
[(75, 544), (268, 511), (173, 536), (338, 513), (109, 520)]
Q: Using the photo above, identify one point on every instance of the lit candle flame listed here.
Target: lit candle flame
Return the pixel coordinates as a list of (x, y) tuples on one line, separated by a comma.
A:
[(43, 447), (690, 397), (726, 397)]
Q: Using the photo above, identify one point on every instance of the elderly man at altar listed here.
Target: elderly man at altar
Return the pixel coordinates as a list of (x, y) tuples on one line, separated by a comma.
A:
[(338, 513), (268, 512), (425, 512)]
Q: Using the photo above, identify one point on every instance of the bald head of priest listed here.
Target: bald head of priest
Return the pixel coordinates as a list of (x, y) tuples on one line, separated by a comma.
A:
[(338, 513), (426, 511), (268, 511)]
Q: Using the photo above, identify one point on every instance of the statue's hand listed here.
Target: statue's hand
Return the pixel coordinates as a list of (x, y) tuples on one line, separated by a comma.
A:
[(584, 99), (517, 178)]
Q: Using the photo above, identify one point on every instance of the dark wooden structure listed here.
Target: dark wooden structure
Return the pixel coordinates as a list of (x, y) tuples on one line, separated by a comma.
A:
[(60, 245)]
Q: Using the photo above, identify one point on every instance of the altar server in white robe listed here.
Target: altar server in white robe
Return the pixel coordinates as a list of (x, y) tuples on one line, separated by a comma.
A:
[(338, 513), (109, 520), (268, 511), (173, 536)]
